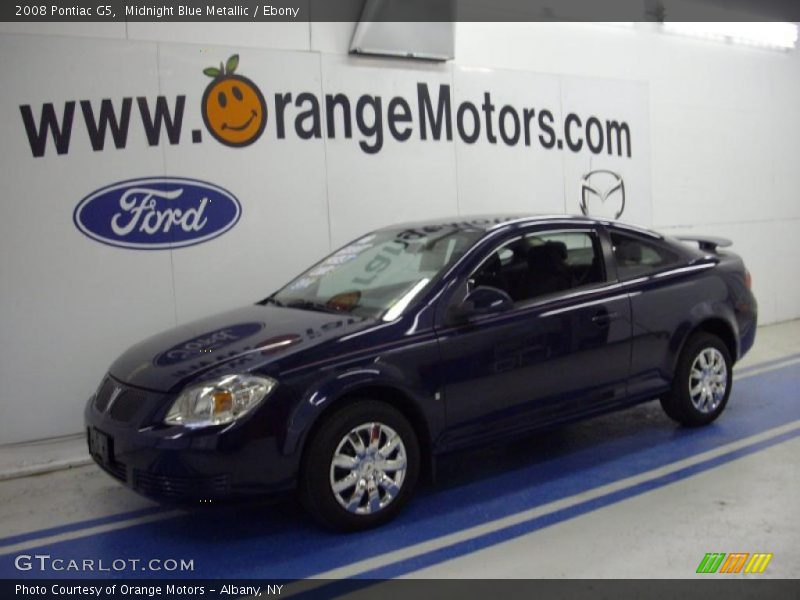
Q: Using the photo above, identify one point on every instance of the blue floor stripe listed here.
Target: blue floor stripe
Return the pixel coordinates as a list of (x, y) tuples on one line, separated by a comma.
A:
[(496, 537), (469, 546), (279, 542), (78, 525), (765, 364)]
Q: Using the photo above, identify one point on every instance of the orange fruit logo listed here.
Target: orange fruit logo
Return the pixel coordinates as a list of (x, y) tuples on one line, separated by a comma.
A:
[(234, 110)]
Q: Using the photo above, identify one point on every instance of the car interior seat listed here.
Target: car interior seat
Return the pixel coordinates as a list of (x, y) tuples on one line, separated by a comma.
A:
[(491, 274), (547, 269)]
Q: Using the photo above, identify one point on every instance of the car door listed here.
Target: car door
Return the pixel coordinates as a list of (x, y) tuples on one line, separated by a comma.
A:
[(664, 292), (562, 351)]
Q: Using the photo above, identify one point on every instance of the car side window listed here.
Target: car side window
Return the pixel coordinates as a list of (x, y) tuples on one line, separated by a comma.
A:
[(541, 264), (636, 257)]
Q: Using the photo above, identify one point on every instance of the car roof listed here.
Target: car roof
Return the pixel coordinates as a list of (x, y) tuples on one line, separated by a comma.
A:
[(509, 221)]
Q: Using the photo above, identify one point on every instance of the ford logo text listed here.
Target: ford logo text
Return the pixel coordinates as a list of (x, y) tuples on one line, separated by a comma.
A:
[(157, 213)]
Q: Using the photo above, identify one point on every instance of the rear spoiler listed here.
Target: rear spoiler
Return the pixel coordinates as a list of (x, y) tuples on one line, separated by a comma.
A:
[(707, 243)]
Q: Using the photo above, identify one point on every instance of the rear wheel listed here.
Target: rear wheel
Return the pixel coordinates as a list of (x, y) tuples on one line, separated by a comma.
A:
[(702, 382), (360, 467)]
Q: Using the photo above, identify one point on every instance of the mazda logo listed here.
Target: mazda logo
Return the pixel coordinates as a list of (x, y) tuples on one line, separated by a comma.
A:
[(603, 184)]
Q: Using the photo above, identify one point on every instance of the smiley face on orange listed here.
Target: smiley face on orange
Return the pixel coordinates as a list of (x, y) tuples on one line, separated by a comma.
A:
[(234, 110)]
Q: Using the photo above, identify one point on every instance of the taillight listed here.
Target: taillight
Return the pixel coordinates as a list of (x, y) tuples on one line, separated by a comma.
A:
[(748, 280)]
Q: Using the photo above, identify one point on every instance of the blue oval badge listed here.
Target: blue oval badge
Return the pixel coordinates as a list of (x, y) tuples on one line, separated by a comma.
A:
[(204, 343), (157, 213)]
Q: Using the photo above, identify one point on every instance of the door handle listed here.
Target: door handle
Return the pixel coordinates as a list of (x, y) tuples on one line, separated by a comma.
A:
[(604, 318)]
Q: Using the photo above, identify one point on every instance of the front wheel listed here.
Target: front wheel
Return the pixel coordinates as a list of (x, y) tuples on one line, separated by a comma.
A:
[(360, 467), (702, 382)]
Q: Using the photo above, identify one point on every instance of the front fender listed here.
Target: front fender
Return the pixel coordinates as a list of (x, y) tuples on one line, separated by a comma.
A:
[(332, 389)]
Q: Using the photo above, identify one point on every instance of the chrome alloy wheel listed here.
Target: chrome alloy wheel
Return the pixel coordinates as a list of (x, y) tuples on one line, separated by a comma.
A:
[(708, 380), (368, 468)]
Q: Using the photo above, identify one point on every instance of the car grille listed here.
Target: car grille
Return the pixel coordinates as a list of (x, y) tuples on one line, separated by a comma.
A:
[(116, 469), (169, 486), (125, 405), (104, 395)]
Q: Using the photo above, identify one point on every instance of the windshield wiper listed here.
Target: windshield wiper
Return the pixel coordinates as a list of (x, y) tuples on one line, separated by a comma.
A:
[(309, 305), (271, 300)]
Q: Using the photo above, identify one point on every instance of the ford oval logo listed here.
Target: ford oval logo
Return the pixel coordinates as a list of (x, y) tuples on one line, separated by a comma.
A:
[(205, 343), (156, 213)]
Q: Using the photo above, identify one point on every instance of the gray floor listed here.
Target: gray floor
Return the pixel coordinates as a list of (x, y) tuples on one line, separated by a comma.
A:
[(745, 505)]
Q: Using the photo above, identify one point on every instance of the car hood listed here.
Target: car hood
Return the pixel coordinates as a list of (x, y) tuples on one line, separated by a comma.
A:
[(238, 340)]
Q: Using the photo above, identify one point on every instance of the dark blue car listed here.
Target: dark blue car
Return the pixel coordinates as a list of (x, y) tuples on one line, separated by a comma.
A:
[(418, 340)]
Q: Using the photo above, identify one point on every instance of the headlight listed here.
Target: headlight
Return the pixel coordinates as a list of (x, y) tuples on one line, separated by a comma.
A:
[(219, 401)]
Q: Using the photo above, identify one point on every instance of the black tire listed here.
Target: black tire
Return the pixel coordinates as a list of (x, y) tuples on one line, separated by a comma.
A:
[(315, 485), (678, 403)]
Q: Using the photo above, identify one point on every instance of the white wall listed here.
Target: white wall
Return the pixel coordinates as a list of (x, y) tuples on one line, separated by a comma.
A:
[(714, 127), (724, 130)]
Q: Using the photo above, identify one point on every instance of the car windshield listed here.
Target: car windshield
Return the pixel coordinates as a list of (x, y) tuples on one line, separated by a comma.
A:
[(380, 274)]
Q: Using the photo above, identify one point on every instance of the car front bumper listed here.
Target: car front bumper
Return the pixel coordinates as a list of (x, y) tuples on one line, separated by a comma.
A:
[(170, 463)]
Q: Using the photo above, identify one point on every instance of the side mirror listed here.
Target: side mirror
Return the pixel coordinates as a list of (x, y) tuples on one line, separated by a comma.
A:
[(484, 300)]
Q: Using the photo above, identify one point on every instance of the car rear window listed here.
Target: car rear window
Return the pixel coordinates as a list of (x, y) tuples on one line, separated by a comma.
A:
[(637, 257)]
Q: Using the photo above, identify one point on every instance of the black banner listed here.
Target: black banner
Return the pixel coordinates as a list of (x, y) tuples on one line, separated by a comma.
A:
[(398, 10), (714, 586)]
